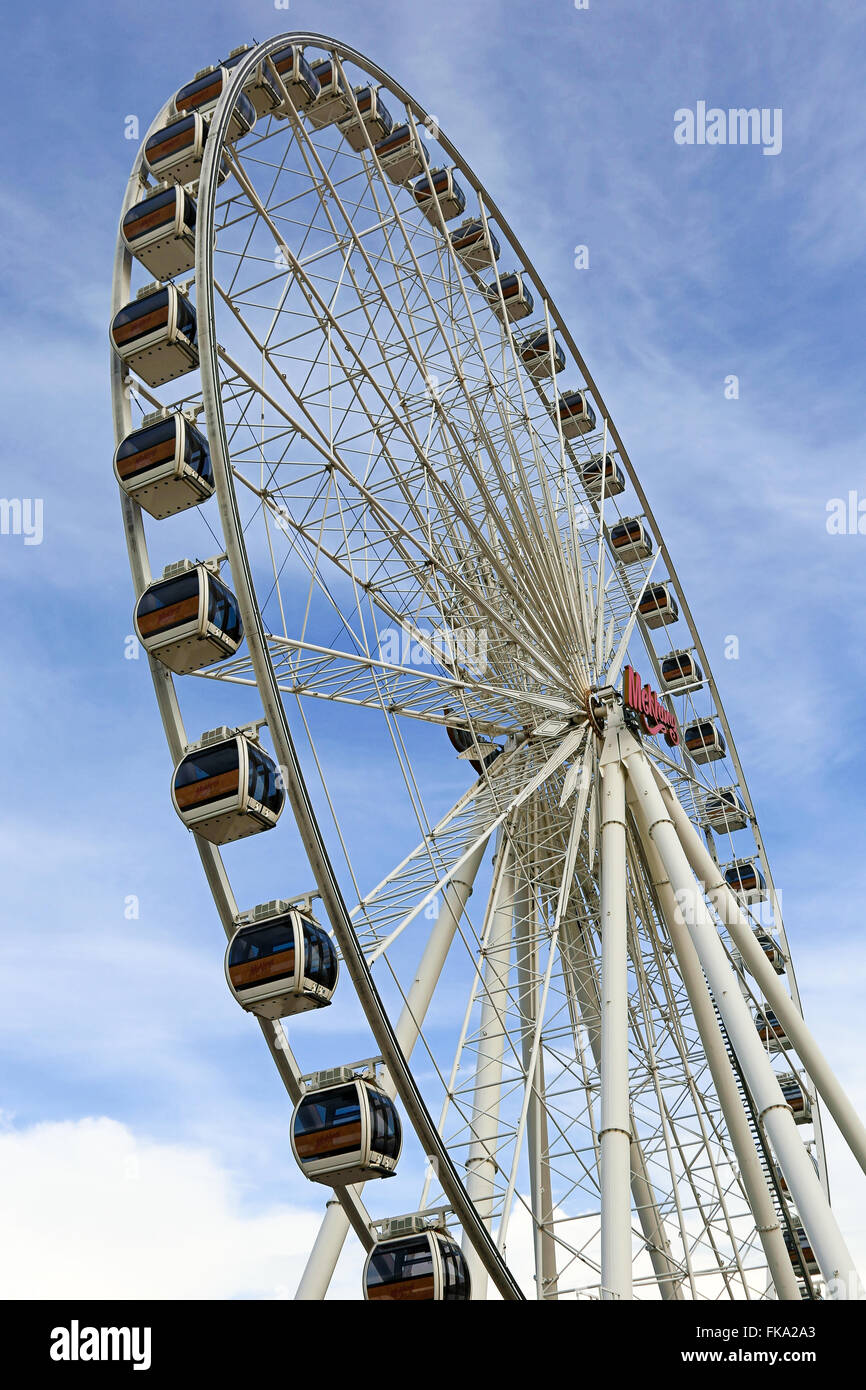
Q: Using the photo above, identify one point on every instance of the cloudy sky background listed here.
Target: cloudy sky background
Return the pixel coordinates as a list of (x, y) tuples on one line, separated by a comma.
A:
[(143, 1147)]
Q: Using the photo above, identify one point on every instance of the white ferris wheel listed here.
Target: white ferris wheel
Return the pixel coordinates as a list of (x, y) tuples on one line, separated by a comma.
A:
[(430, 615)]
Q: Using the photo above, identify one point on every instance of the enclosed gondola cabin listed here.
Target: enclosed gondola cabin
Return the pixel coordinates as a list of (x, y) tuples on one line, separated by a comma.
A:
[(797, 1096), (261, 87), (574, 414), (439, 195), (424, 1267), (156, 335), (800, 1245), (373, 117), (704, 742), (512, 295), (478, 752), (681, 671), (346, 1133), (202, 95), (334, 101), (770, 949), (188, 619), (281, 962), (770, 1030), (297, 76), (745, 878), (725, 812), (227, 787), (614, 479), (175, 152), (542, 356), (475, 245), (165, 465), (400, 154), (658, 607), (630, 540), (160, 232)]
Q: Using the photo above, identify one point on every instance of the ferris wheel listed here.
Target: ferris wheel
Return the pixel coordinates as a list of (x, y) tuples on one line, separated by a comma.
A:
[(512, 938)]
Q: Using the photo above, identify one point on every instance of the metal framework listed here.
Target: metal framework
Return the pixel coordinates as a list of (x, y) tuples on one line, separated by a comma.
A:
[(555, 972)]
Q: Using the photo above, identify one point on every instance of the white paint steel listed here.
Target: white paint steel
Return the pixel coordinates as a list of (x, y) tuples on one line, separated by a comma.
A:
[(615, 1130), (774, 1113)]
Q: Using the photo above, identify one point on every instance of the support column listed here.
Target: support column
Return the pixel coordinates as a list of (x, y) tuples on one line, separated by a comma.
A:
[(665, 1268), (324, 1255), (780, 1001), (481, 1163), (831, 1252), (748, 1161), (615, 1128), (536, 1120)]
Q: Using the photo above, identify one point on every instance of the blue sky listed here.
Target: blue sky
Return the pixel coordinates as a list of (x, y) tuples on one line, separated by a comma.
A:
[(122, 1053)]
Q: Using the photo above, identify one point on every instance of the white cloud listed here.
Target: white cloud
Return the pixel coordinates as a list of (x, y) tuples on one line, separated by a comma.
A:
[(92, 1210)]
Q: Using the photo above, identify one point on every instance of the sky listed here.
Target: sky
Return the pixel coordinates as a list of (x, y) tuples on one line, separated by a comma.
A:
[(140, 1119)]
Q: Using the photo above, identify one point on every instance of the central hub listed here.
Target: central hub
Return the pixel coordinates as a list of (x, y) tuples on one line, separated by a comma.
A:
[(599, 703)]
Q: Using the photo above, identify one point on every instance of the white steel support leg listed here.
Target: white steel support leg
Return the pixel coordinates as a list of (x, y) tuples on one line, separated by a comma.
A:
[(667, 1272), (536, 1121), (615, 1128), (780, 1001), (826, 1239), (751, 1172), (481, 1163), (324, 1255)]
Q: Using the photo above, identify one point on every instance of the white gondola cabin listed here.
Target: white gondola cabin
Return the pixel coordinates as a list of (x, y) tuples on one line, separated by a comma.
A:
[(770, 1030), (280, 962), (800, 1246), (745, 878), (334, 101), (346, 1133), (373, 117), (165, 465), (512, 293), (574, 414), (614, 479), (227, 787), (479, 752), (439, 194), (424, 1266), (798, 1097), (630, 540), (296, 75), (658, 607), (680, 670), (202, 95), (400, 154), (770, 949), (542, 356), (724, 811), (704, 742), (160, 232), (476, 246), (188, 619), (175, 152), (261, 87), (156, 335)]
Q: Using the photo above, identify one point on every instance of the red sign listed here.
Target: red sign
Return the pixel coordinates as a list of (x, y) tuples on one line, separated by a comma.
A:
[(655, 717)]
